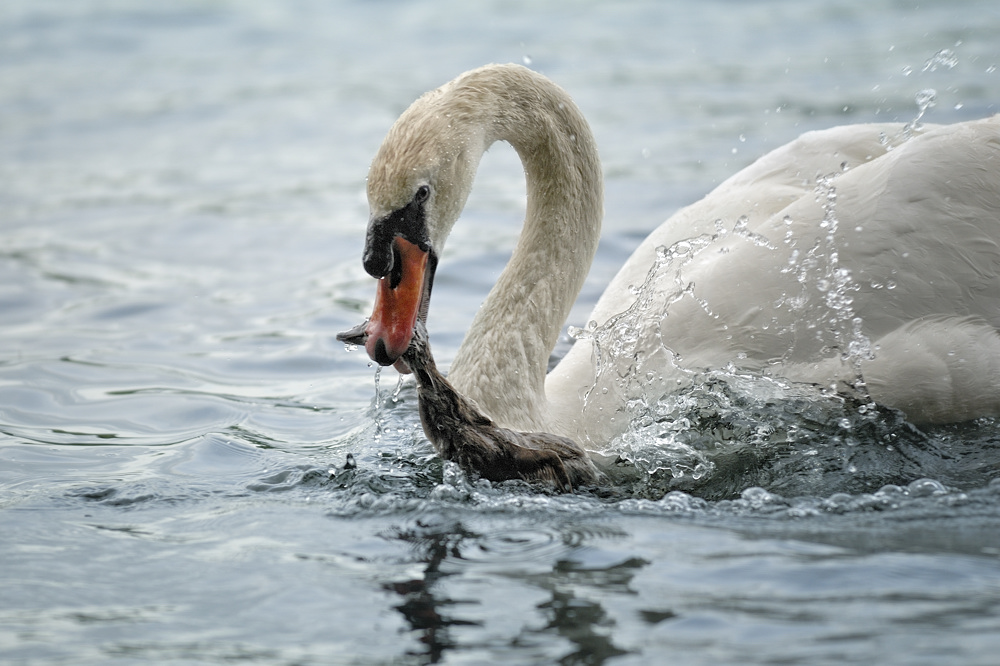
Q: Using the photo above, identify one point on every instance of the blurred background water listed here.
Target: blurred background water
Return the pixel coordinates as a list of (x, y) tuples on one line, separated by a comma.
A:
[(181, 220)]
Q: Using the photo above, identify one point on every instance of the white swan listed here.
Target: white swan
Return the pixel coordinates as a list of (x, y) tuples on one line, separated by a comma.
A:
[(895, 267)]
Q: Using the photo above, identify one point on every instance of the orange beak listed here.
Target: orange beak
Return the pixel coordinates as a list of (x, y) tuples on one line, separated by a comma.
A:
[(397, 307)]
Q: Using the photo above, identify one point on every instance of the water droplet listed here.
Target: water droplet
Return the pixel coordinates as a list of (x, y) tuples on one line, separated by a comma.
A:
[(926, 488), (526, 59), (926, 98), (758, 497), (945, 58)]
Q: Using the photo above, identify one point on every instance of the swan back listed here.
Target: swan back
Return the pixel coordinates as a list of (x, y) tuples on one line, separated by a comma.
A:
[(856, 255)]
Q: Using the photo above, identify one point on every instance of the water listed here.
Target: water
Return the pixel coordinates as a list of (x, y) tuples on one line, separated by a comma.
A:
[(180, 238)]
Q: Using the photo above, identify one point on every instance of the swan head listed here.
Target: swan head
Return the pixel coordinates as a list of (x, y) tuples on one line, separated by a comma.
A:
[(418, 183)]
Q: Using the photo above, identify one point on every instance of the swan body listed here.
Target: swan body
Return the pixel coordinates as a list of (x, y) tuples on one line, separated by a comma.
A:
[(863, 257)]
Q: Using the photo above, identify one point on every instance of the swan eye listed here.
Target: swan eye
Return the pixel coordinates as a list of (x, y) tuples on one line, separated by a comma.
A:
[(423, 193)]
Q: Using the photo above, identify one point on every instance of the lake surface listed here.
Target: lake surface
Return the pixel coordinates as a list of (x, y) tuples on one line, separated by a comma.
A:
[(182, 215)]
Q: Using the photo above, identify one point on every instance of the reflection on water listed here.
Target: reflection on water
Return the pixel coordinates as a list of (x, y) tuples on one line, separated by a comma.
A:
[(429, 616), (582, 622)]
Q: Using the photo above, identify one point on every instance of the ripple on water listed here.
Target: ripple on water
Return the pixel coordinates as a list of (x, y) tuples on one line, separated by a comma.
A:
[(487, 541), (742, 430), (413, 481)]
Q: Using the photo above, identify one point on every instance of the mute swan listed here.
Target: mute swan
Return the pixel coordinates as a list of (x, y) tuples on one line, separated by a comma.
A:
[(883, 274)]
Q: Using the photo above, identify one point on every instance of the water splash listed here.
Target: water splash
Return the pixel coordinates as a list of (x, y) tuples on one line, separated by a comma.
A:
[(382, 402), (740, 229), (631, 370), (834, 325), (679, 421), (620, 336), (943, 59), (377, 403), (925, 98), (398, 389)]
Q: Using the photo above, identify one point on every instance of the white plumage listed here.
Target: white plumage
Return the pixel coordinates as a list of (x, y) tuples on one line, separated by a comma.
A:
[(867, 247)]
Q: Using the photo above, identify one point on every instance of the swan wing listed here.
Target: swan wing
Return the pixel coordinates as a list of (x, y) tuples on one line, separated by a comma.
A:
[(899, 236)]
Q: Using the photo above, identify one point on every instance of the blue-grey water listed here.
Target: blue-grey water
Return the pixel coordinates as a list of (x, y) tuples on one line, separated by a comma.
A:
[(181, 220)]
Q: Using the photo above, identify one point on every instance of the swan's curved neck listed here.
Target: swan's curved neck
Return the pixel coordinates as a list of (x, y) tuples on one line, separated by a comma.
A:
[(504, 358)]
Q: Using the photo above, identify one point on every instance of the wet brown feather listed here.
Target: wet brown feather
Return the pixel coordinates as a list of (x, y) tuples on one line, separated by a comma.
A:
[(463, 434)]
